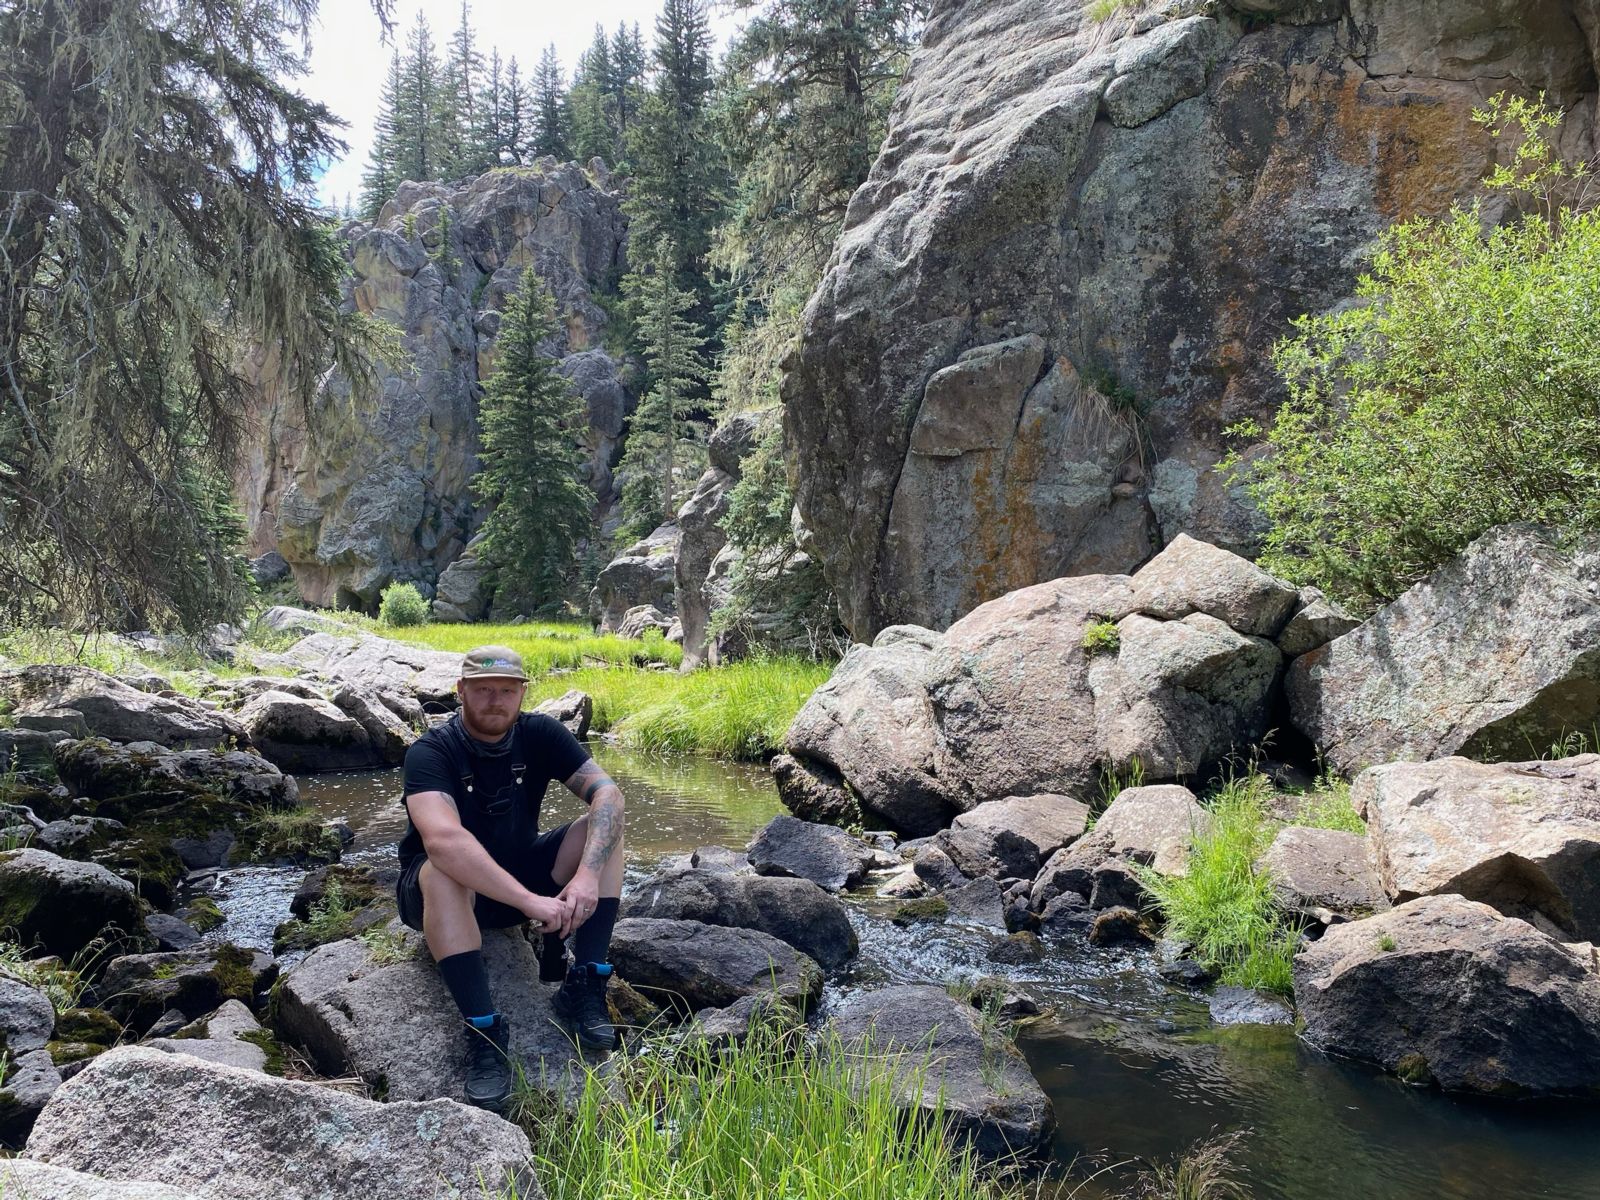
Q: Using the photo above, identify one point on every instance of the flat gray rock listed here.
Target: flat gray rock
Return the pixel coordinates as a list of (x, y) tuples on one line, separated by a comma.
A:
[(110, 708), (1324, 869), (136, 1113), (692, 966), (24, 1179), (827, 856), (1011, 838)]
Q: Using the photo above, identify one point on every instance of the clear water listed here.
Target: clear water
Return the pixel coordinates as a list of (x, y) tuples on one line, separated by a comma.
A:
[(1134, 1068)]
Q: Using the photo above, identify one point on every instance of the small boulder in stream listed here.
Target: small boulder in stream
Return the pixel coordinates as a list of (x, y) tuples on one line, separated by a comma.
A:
[(1013, 837), (1449, 991), (692, 966), (796, 911), (827, 856), (137, 1113), (944, 1057)]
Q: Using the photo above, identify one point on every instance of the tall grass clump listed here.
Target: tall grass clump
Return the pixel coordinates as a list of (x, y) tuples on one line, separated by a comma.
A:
[(1221, 903), (1461, 393), (769, 1118)]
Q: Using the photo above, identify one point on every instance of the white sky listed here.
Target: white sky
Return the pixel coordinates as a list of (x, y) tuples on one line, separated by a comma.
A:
[(349, 58)]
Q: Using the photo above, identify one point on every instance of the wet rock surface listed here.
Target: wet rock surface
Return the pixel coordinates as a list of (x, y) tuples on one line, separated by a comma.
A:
[(1448, 990), (944, 1058)]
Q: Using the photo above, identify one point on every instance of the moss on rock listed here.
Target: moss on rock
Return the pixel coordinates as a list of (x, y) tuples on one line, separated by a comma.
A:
[(922, 909)]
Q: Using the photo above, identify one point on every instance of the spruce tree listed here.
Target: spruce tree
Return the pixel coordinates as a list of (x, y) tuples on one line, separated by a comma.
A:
[(381, 178), (516, 120), (661, 436), (530, 460), (458, 100), (418, 126), (590, 101), (488, 134), (628, 63), (550, 119)]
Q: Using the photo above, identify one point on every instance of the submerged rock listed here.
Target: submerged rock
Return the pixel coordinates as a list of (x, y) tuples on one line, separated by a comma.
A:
[(137, 1113), (944, 1058), (1492, 656), (1447, 990), (1522, 837)]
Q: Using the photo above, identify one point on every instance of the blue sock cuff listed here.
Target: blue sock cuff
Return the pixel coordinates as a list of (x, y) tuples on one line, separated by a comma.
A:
[(482, 1022), (601, 969)]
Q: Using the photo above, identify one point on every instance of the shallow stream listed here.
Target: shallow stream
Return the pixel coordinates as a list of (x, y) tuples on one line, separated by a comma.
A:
[(1134, 1068)]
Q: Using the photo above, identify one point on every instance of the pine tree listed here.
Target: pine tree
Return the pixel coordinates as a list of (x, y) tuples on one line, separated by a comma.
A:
[(661, 435), (417, 124), (677, 172), (458, 100), (530, 459), (381, 178), (550, 118), (628, 63), (516, 121), (488, 135), (590, 101)]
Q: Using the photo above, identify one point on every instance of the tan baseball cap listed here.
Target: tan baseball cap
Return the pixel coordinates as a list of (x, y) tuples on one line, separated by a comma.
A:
[(493, 662)]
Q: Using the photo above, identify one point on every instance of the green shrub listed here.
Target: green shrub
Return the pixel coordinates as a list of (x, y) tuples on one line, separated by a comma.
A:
[(1101, 637), (1463, 391), (402, 605)]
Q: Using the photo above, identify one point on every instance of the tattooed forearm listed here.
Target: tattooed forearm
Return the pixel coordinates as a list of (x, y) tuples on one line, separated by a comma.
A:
[(587, 780), (605, 827)]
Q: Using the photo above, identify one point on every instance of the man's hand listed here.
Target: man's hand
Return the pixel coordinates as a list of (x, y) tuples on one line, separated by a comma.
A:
[(581, 895), (552, 914)]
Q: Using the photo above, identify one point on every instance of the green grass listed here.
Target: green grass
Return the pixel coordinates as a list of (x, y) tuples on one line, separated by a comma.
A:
[(1101, 637), (185, 667), (773, 1118), (739, 711), (544, 646), (1327, 806), (1222, 904), (1103, 10), (63, 984), (298, 834)]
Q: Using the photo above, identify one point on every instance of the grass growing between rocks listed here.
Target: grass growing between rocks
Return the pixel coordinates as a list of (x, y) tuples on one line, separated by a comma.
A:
[(1223, 905), (772, 1118), (185, 667), (739, 711), (544, 646)]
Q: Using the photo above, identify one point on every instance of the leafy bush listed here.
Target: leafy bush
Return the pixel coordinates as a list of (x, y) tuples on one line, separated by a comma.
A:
[(402, 604), (1101, 637), (1463, 391)]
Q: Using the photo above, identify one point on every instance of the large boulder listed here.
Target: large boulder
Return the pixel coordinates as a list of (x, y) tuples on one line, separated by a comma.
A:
[(139, 988), (691, 965), (824, 854), (391, 1021), (1494, 655), (1522, 837), (644, 573), (62, 906), (428, 676), (23, 1178), (1012, 838), (796, 911), (463, 592), (1043, 690), (1447, 990), (359, 491), (1060, 282), (946, 1060), (231, 1036), (109, 708), (136, 1113), (300, 734)]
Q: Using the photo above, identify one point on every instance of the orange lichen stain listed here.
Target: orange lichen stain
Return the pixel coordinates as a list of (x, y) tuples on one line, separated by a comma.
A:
[(1010, 544), (1420, 142)]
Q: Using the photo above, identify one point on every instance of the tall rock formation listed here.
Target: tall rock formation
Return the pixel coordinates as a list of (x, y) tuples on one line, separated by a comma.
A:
[(1062, 279), (355, 495)]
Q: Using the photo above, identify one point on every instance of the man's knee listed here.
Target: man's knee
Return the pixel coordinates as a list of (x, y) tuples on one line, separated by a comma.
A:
[(439, 889)]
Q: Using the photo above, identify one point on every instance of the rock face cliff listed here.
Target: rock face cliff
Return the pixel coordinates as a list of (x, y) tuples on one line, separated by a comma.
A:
[(366, 493), (1062, 279)]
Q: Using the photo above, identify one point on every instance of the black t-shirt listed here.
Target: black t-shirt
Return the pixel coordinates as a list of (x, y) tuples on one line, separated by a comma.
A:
[(495, 807)]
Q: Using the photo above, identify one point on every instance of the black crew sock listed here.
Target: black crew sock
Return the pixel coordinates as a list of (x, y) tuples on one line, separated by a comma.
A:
[(592, 942), (468, 981)]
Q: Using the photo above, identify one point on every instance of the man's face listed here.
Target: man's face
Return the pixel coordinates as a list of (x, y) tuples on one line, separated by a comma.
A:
[(490, 706)]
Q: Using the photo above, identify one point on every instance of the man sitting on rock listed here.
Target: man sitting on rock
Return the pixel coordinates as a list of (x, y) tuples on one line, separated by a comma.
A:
[(473, 857)]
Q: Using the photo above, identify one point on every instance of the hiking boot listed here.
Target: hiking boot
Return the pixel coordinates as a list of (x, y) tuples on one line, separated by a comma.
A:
[(580, 1002), (489, 1065)]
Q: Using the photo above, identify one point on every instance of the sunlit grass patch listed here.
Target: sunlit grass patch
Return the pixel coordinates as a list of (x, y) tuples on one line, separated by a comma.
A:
[(544, 646)]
